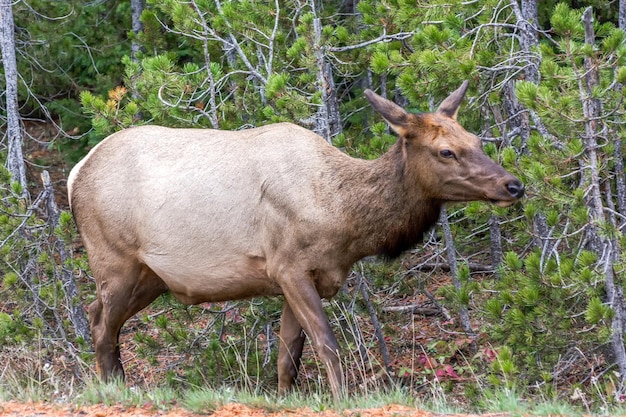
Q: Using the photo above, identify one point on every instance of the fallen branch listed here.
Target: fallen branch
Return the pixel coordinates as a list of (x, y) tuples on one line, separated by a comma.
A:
[(444, 266), (415, 309)]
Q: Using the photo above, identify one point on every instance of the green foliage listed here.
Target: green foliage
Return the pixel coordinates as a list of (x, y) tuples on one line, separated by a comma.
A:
[(109, 116), (65, 47), (226, 342), (255, 83), (34, 300), (536, 308), (553, 302), (597, 311)]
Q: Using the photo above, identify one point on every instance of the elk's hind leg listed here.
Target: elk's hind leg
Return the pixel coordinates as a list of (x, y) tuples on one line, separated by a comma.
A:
[(122, 292), (290, 350)]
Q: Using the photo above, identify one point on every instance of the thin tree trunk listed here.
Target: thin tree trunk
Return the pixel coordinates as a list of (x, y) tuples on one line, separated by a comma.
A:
[(76, 313), (378, 330), (136, 8), (620, 171), (591, 111), (527, 18), (328, 118), (15, 158), (454, 270), (322, 125), (212, 107), (530, 37), (495, 241), (332, 104)]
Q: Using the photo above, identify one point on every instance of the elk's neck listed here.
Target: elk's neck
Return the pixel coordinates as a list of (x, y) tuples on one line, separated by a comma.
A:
[(386, 210)]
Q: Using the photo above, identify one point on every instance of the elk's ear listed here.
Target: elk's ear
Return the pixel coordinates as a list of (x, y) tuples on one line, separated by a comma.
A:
[(395, 115), (450, 106)]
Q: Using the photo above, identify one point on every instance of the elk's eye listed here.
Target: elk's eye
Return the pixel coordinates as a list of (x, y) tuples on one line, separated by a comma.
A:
[(447, 153)]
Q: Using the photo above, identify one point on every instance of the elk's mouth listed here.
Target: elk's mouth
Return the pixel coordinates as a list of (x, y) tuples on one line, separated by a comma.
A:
[(503, 203)]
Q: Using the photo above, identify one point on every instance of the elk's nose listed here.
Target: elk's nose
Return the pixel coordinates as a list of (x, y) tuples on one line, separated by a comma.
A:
[(516, 188)]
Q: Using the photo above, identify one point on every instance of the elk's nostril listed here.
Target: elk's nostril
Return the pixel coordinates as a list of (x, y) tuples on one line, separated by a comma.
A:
[(516, 188)]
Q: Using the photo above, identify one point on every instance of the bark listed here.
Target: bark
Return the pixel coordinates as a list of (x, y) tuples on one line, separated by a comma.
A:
[(420, 309), (15, 158), (620, 171), (384, 351), (322, 120), (517, 115), (527, 21), (591, 111), (332, 104), (76, 312), (454, 270), (328, 118), (530, 37), (620, 180), (212, 107), (136, 7), (495, 241)]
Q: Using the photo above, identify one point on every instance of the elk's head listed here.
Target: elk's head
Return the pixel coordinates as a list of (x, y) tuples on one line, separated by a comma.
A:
[(444, 159)]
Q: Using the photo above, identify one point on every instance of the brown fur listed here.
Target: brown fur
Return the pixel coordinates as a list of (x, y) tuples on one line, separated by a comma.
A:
[(215, 215)]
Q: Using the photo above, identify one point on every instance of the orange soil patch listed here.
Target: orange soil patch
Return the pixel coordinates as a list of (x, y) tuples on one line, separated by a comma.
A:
[(230, 410)]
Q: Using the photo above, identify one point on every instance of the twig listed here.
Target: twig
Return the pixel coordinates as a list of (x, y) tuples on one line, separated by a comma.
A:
[(377, 328), (442, 309)]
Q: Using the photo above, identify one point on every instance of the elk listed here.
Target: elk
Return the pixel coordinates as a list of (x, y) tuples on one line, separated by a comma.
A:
[(214, 215)]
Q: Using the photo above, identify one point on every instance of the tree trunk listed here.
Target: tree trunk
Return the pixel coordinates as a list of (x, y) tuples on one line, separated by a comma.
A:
[(15, 158), (378, 330), (332, 104), (527, 18), (75, 309), (136, 7), (620, 171), (322, 125), (454, 270), (495, 241), (530, 38), (212, 94), (328, 118)]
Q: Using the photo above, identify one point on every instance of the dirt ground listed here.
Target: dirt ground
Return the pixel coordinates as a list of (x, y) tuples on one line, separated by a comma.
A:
[(229, 410)]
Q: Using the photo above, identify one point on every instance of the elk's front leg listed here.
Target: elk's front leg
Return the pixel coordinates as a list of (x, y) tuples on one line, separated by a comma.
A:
[(290, 350), (306, 306)]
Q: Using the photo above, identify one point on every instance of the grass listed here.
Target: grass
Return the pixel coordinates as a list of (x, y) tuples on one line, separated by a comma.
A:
[(207, 400), (27, 375), (18, 387)]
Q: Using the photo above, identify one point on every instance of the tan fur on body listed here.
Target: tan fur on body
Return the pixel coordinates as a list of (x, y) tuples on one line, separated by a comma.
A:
[(217, 215)]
